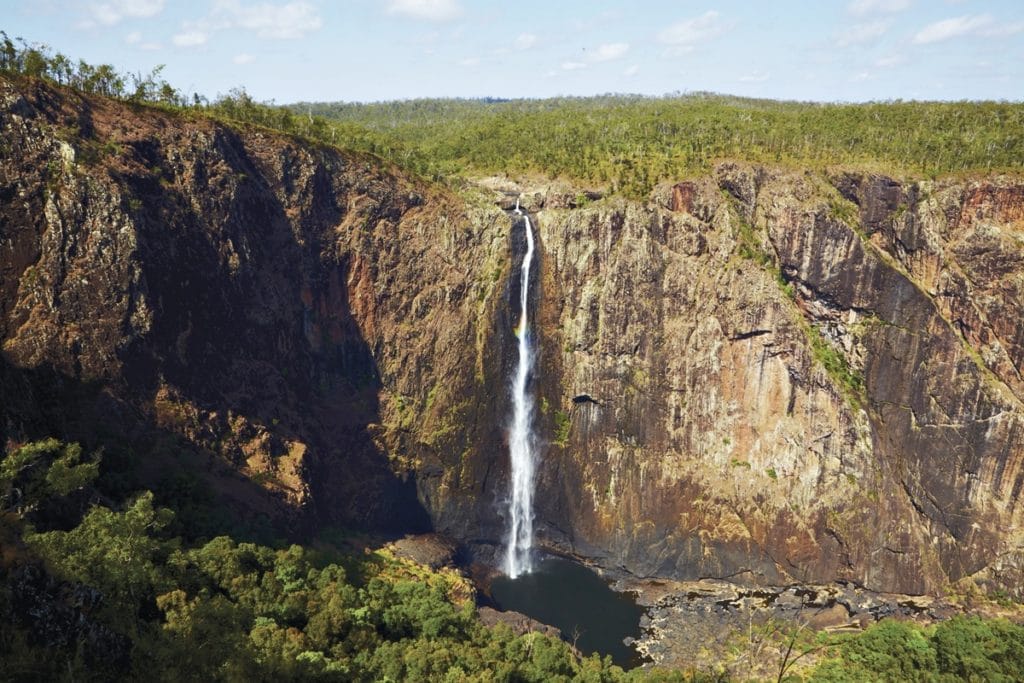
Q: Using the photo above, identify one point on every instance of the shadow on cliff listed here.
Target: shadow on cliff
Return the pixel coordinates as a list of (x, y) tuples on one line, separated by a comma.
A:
[(240, 333), (209, 498), (209, 495), (253, 325)]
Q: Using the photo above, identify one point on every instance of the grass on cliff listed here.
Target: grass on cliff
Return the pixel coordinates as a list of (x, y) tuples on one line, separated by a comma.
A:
[(563, 426), (629, 142), (624, 143), (849, 380)]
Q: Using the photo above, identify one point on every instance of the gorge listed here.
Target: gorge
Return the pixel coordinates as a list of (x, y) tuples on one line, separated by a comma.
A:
[(760, 374)]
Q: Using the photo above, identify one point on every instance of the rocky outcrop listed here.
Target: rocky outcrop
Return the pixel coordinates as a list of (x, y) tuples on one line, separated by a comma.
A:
[(759, 374), (172, 285), (715, 624), (517, 622), (783, 389), (432, 550)]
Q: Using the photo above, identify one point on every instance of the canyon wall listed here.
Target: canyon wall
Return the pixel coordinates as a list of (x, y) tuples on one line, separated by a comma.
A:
[(271, 316), (777, 376), (759, 373)]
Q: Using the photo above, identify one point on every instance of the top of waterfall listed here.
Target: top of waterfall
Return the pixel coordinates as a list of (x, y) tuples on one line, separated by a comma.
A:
[(517, 205)]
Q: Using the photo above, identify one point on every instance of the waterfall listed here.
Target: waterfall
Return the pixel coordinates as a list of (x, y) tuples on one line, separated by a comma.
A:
[(521, 441)]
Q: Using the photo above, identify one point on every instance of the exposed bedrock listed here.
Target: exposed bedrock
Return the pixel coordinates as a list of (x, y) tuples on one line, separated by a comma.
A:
[(793, 377), (758, 374)]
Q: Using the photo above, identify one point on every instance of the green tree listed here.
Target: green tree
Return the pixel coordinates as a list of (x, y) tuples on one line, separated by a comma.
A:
[(34, 62), (203, 638), (116, 552), (41, 470), (8, 53), (891, 650), (974, 649)]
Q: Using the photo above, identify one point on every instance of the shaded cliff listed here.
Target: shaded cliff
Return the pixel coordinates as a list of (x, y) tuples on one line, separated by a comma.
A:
[(266, 304), (759, 374)]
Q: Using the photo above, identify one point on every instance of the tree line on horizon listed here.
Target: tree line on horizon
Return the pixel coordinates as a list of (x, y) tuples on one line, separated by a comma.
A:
[(623, 143), (632, 142)]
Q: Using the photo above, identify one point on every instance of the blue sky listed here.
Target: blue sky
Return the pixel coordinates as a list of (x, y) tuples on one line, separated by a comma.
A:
[(368, 50)]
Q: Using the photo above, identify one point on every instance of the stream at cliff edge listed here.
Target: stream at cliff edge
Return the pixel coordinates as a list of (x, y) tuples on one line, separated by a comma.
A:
[(580, 603)]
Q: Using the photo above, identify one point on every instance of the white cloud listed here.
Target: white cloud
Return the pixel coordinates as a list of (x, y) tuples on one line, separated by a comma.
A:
[(631, 70), (268, 20), (524, 41), (469, 61), (602, 53), (609, 51), (861, 77), (110, 13), (858, 34), (1004, 29), (280, 21), (861, 7), (433, 10), (190, 38), (755, 77), (135, 39), (683, 36), (889, 61), (952, 28), (243, 58)]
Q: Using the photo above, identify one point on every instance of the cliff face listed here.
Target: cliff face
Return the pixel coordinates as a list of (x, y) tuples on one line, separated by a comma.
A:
[(783, 377), (758, 374), (173, 286)]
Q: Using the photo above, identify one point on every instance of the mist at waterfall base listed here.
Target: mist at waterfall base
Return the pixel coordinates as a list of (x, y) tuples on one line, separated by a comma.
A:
[(578, 602)]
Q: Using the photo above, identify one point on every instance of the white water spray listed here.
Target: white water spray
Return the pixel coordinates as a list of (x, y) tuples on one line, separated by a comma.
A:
[(521, 442)]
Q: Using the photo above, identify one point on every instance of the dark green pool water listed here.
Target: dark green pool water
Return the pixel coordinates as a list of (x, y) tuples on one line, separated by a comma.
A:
[(576, 600)]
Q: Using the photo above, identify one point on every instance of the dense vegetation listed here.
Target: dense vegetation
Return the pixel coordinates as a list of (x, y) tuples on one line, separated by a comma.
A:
[(632, 142), (98, 589), (93, 588), (961, 649), (624, 143)]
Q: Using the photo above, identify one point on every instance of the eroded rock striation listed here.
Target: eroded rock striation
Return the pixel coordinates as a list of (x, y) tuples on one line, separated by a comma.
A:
[(282, 311), (759, 374), (798, 377)]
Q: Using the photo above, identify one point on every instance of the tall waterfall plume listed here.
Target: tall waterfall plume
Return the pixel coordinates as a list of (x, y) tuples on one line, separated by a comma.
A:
[(522, 451)]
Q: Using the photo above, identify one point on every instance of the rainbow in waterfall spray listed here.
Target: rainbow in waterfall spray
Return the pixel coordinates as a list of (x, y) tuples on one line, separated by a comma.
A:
[(522, 445)]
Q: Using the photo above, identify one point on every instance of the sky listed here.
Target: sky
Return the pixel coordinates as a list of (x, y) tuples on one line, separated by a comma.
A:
[(372, 50)]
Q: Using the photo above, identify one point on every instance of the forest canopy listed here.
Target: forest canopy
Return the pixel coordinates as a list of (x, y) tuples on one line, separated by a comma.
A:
[(622, 143), (631, 142), (102, 581)]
